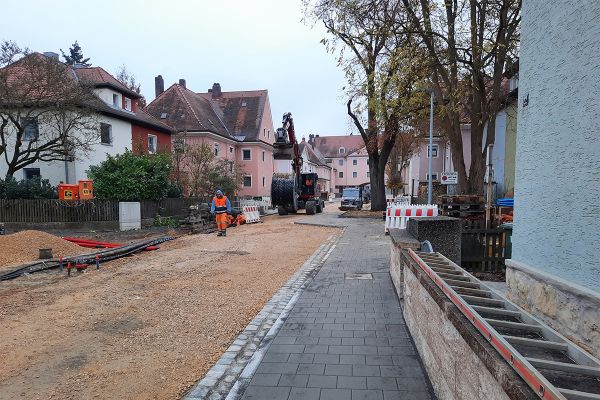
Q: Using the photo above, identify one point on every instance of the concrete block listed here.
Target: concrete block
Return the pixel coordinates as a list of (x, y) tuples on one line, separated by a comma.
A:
[(444, 234)]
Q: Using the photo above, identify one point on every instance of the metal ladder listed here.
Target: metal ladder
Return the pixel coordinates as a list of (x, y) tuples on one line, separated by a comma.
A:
[(553, 366)]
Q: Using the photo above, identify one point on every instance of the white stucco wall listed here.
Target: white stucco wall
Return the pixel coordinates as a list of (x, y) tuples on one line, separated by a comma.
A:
[(557, 183), (121, 140)]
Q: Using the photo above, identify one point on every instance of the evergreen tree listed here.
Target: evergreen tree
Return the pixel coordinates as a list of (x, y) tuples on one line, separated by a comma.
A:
[(76, 56)]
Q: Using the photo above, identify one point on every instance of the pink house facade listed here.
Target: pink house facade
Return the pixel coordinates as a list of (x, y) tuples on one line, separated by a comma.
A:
[(418, 166), (347, 157), (237, 126)]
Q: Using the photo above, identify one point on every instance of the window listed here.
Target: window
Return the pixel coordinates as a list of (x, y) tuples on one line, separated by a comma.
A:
[(246, 155), (434, 176), (341, 174), (268, 133), (216, 149), (263, 156), (264, 181), (355, 174), (127, 103), (30, 173), (116, 100), (152, 144), (265, 132), (342, 150), (434, 151), (368, 174), (31, 130), (368, 162), (341, 162), (105, 133), (231, 150), (247, 181), (354, 162), (231, 166)]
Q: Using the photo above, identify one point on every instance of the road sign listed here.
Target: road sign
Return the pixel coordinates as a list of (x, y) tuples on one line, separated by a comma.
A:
[(449, 178)]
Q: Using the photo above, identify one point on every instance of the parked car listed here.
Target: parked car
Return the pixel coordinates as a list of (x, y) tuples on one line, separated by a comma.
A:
[(352, 199)]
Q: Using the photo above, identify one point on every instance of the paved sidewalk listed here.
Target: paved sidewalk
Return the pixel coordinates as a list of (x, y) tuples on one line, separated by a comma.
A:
[(345, 338)]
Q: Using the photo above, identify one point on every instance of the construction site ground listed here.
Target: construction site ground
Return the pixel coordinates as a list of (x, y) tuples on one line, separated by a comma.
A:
[(146, 326)]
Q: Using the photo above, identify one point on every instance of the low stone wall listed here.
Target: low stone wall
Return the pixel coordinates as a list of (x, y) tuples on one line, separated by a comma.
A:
[(74, 226), (401, 240), (574, 311), (461, 364)]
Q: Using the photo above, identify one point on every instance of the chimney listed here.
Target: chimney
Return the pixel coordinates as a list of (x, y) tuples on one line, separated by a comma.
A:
[(182, 83), (51, 54), (216, 90), (159, 85), (311, 140)]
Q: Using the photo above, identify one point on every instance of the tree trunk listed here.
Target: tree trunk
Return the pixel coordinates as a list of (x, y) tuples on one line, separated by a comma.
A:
[(378, 201), (477, 168)]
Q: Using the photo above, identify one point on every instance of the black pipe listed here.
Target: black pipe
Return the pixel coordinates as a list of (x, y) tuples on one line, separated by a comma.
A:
[(106, 255)]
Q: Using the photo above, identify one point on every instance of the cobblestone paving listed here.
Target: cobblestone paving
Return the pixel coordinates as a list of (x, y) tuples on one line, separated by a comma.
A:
[(345, 337)]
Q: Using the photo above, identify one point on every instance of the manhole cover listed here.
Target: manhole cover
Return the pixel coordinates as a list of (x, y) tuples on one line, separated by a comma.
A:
[(358, 275)]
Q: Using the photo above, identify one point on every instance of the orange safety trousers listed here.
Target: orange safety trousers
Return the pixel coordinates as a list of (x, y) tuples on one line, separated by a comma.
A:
[(221, 221)]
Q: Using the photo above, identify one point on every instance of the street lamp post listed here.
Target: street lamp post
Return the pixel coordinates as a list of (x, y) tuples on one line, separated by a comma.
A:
[(430, 150)]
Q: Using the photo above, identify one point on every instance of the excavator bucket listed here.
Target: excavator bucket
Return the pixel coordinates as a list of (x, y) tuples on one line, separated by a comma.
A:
[(283, 149)]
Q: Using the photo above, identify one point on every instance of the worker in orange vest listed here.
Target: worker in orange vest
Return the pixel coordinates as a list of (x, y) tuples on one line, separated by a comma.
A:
[(220, 207)]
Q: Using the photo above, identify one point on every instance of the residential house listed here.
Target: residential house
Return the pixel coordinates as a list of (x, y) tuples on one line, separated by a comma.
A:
[(555, 267), (347, 157), (313, 161), (121, 124), (236, 125)]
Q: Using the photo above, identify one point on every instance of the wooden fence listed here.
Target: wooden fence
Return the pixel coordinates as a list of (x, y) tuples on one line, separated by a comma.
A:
[(43, 211), (169, 207), (483, 250), (47, 211)]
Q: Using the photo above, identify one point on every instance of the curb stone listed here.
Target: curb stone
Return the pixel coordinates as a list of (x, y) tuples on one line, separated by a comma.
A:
[(232, 373)]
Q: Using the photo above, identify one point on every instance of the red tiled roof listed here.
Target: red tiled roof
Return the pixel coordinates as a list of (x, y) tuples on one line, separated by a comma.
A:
[(184, 110), (242, 111), (98, 77), (25, 74), (329, 145)]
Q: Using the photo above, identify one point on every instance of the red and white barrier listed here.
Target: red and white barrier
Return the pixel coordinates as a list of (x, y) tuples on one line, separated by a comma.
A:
[(251, 214), (397, 216)]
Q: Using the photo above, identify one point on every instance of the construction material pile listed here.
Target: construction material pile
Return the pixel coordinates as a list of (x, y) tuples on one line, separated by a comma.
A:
[(23, 247)]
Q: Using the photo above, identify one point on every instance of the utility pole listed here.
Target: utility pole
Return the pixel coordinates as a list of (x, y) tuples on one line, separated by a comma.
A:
[(430, 150)]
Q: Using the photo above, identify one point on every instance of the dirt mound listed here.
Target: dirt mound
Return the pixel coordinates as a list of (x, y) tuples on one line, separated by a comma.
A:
[(23, 247)]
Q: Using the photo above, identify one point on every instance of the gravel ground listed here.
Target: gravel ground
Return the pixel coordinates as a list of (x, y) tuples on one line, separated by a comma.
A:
[(149, 326), (23, 247)]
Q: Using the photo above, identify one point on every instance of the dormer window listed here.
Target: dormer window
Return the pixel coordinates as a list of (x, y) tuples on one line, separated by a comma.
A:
[(115, 100), (342, 150), (127, 103)]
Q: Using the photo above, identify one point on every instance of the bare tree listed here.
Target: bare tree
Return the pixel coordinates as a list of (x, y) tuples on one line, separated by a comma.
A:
[(383, 69), (197, 168), (128, 79), (407, 143), (469, 43), (45, 113)]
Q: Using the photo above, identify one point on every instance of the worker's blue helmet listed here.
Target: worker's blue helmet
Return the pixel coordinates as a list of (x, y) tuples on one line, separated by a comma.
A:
[(219, 192)]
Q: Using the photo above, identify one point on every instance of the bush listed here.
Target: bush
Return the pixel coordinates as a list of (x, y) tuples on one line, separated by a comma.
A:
[(34, 188), (174, 191), (132, 177)]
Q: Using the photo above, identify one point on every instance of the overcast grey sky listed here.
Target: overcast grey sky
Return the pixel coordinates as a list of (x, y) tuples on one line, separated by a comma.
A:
[(244, 45)]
